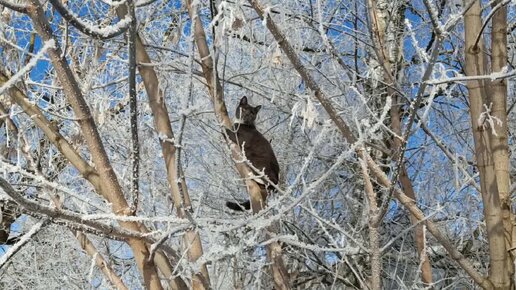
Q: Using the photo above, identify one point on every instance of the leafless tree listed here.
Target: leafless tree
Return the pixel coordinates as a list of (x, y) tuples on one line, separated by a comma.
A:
[(391, 121)]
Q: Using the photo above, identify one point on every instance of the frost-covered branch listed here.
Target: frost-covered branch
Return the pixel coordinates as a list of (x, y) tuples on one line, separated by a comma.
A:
[(110, 185), (133, 108), (414, 107), (75, 222), (64, 215), (374, 235), (287, 48), (410, 204), (100, 261), (14, 79), (89, 28), (504, 74), (450, 155), (52, 133), (14, 6), (346, 133), (434, 17), (21, 242), (179, 190)]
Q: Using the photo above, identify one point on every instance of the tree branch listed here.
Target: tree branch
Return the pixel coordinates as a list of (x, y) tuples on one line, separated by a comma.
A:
[(22, 241), (89, 28), (133, 107), (16, 7)]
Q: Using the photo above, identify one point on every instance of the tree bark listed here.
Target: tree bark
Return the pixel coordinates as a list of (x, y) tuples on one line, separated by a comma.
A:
[(374, 235), (499, 142), (475, 64)]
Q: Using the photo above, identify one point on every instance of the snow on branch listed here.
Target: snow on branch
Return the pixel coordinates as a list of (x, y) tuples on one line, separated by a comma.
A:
[(89, 28), (69, 218), (10, 168), (14, 45), (14, 6), (503, 74), (12, 81), (434, 17), (485, 118), (21, 242), (114, 3), (77, 222)]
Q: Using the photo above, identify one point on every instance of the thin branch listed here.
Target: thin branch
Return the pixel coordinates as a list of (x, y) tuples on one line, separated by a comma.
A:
[(55, 213), (374, 236), (133, 108), (101, 262), (21, 242), (300, 68), (414, 106), (16, 7), (89, 247), (32, 63), (489, 16), (438, 29), (179, 192), (88, 28), (493, 77), (78, 222), (410, 204)]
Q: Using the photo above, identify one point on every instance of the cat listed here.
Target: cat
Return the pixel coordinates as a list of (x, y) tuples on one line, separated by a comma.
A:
[(256, 148)]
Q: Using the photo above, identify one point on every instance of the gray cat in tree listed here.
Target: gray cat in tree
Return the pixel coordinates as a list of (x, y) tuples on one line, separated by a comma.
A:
[(257, 149)]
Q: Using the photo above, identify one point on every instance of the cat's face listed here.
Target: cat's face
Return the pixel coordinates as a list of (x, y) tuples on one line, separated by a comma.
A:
[(245, 113)]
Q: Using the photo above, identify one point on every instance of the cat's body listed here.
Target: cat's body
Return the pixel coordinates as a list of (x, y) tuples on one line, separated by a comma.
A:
[(257, 149)]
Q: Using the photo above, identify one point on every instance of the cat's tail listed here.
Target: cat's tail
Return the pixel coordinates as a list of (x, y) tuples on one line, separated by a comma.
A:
[(239, 206)]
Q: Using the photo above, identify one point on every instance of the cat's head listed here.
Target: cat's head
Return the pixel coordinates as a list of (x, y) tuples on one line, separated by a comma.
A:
[(245, 113)]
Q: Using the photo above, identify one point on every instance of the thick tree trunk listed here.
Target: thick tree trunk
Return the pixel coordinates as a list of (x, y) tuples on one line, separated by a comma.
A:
[(499, 142), (478, 91)]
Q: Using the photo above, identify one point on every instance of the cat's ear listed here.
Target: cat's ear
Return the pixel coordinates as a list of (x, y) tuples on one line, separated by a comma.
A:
[(257, 108), (243, 101)]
